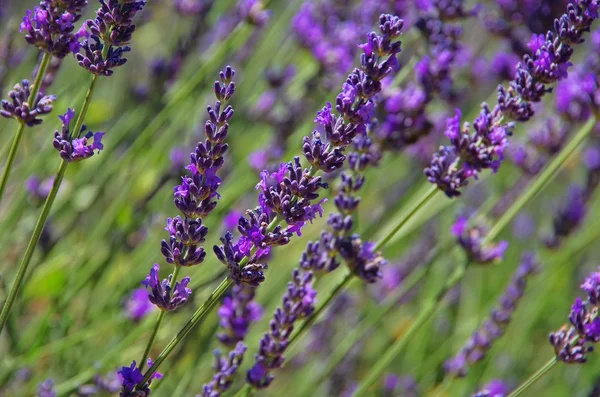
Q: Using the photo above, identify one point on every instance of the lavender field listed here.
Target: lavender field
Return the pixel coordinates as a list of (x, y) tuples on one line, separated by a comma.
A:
[(299, 198)]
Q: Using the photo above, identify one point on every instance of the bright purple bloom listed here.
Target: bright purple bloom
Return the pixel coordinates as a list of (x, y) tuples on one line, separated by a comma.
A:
[(18, 106), (131, 376), (572, 343), (569, 216), (46, 389), (50, 26), (236, 314), (481, 341), (230, 220), (226, 369), (70, 147), (471, 240), (298, 303), (137, 306), (547, 64), (112, 27), (162, 294)]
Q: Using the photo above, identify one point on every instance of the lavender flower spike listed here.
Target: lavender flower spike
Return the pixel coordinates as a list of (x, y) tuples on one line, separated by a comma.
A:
[(161, 292), (105, 36), (298, 303), (17, 106), (131, 376), (236, 314), (471, 153), (572, 343), (226, 368), (493, 328), (50, 26), (46, 389), (72, 148), (471, 239)]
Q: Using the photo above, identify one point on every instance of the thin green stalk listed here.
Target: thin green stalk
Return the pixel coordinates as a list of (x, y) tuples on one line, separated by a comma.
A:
[(313, 317), (372, 318), (536, 187), (541, 181), (41, 222), (159, 321), (425, 314), (420, 203), (198, 315), (534, 378), (12, 154)]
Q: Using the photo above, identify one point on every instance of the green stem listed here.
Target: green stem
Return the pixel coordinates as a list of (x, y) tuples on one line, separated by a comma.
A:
[(537, 186), (41, 222), (313, 317), (372, 318), (425, 314), (541, 181), (159, 321), (406, 217), (202, 311), (12, 154), (534, 378)]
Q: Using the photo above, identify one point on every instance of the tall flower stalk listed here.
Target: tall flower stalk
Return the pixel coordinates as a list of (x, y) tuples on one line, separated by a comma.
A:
[(290, 193), (49, 27), (99, 58), (195, 198)]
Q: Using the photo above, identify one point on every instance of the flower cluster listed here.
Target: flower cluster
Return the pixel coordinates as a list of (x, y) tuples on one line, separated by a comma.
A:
[(572, 343), (131, 376), (298, 303), (493, 328), (452, 166), (236, 314), (137, 306), (107, 35), (471, 240), (109, 384), (46, 389), (494, 388), (18, 106), (226, 368), (50, 26), (160, 292), (333, 45), (72, 148), (195, 198)]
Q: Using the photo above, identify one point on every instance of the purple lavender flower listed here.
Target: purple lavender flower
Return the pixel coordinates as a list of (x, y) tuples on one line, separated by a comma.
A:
[(568, 217), (72, 148), (160, 292), (251, 274), (494, 388), (493, 328), (109, 384), (298, 303), (236, 314), (18, 107), (226, 369), (106, 36), (50, 26), (471, 238), (230, 221), (46, 389), (137, 306), (131, 376), (547, 64), (394, 385), (572, 343), (183, 248), (253, 12)]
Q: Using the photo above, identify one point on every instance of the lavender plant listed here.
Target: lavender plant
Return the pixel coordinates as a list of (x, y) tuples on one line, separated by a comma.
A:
[(353, 188), (113, 26)]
